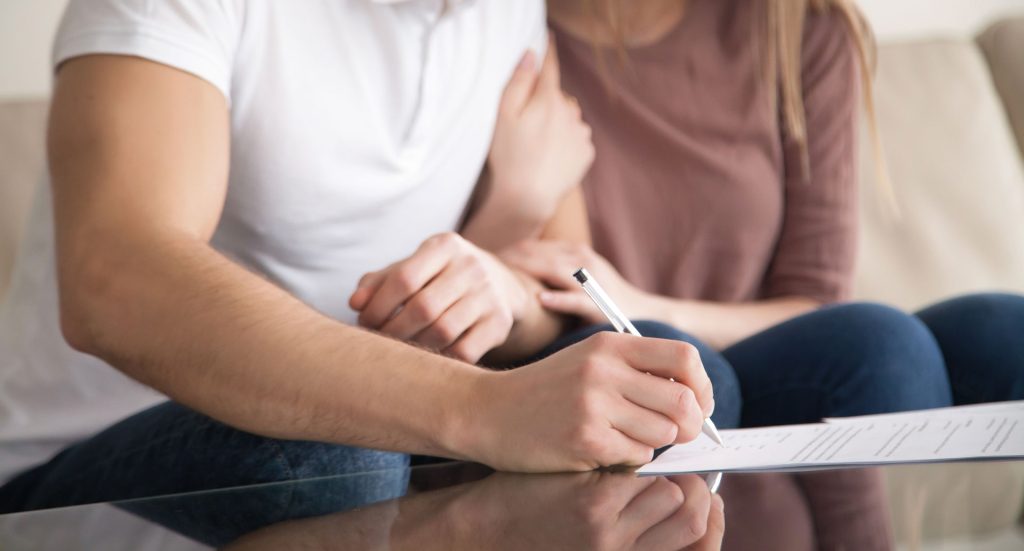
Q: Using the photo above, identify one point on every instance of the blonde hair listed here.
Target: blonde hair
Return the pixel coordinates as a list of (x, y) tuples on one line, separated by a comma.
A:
[(784, 24), (781, 45)]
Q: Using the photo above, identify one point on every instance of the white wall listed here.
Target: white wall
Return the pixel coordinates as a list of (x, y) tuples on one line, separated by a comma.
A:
[(26, 30), (896, 19), (27, 26)]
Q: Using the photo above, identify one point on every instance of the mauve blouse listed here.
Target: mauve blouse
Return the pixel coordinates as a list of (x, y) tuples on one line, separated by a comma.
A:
[(695, 192)]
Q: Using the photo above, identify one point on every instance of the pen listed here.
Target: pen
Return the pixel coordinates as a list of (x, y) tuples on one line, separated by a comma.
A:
[(623, 325)]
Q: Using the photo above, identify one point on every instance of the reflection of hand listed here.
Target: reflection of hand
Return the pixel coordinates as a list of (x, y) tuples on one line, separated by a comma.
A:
[(541, 146), (507, 511), (449, 295), (593, 511), (554, 262)]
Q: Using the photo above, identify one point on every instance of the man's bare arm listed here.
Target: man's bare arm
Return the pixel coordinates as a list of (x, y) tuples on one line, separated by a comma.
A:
[(139, 158), (139, 154)]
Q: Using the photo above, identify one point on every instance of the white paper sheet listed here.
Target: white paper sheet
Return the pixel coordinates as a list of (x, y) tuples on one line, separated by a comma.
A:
[(989, 432)]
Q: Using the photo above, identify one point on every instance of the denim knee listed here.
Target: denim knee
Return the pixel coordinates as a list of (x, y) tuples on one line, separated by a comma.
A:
[(723, 378), (888, 355), (321, 479), (980, 338)]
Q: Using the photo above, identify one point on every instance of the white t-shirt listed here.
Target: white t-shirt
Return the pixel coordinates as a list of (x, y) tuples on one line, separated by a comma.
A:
[(358, 129)]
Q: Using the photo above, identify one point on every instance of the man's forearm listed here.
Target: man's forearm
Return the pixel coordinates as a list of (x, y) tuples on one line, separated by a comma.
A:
[(175, 314)]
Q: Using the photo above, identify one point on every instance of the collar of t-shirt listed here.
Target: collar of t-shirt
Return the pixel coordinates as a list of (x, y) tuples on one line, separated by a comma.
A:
[(448, 2)]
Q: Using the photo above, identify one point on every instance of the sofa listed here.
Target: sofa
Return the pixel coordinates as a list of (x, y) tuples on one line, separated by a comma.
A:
[(951, 118)]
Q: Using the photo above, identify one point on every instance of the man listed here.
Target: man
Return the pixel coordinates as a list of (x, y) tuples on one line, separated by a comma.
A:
[(223, 174)]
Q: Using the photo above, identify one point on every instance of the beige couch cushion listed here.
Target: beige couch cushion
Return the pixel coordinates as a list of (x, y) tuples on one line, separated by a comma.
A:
[(1003, 45), (22, 130), (957, 175)]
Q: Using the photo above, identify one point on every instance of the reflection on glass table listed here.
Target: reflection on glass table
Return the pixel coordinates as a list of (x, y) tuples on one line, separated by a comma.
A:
[(465, 506)]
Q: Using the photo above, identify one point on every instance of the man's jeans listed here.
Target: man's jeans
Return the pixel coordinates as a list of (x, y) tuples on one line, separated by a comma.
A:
[(840, 360)]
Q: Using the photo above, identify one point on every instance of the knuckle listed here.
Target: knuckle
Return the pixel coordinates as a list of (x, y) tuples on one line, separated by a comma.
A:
[(688, 432), (590, 371), (604, 340), (687, 352), (505, 319), (422, 309), (366, 279), (706, 390), (475, 266), (674, 492), (683, 397), (698, 525), (446, 332), (446, 239), (602, 540), (465, 352), (405, 280), (595, 510), (667, 433), (644, 454), (588, 441)]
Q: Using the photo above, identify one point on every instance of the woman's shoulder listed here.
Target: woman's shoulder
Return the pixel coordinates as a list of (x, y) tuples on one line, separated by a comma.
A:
[(832, 34)]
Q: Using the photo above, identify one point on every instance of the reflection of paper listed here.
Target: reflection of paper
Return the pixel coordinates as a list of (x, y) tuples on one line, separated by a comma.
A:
[(938, 435)]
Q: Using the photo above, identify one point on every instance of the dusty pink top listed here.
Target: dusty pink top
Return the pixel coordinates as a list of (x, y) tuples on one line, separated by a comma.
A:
[(694, 192)]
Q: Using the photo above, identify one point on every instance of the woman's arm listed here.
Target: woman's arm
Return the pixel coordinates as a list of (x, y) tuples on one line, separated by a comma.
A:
[(565, 246), (540, 151), (814, 258)]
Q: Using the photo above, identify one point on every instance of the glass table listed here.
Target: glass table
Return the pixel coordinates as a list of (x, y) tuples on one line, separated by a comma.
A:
[(950, 506)]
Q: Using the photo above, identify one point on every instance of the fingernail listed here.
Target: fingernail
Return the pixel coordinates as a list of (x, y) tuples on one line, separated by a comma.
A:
[(718, 503), (711, 409), (545, 296), (526, 62)]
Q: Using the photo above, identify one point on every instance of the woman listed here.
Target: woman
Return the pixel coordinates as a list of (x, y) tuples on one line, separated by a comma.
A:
[(725, 205), (723, 202)]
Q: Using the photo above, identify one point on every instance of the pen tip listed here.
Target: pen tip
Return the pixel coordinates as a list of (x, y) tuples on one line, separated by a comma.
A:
[(712, 431), (581, 275)]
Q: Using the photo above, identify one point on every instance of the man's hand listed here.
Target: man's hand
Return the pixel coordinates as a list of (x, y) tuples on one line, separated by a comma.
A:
[(449, 295), (594, 511), (588, 511), (605, 401)]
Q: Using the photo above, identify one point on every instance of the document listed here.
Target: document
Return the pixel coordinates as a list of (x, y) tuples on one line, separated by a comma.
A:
[(990, 431)]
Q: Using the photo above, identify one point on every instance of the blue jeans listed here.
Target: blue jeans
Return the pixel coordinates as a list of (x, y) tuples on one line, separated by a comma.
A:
[(858, 359), (170, 449), (840, 360)]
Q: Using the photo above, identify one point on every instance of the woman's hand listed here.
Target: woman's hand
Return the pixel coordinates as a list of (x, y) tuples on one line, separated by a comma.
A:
[(554, 262), (449, 295), (541, 146)]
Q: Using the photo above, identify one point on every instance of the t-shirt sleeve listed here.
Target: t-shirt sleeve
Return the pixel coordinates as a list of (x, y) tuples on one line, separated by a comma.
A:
[(195, 36), (816, 250)]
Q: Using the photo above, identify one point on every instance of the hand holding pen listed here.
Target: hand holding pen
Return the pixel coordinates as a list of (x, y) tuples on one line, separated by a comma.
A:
[(622, 324)]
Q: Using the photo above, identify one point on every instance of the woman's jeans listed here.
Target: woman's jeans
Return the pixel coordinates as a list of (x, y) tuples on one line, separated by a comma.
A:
[(858, 359), (840, 360)]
